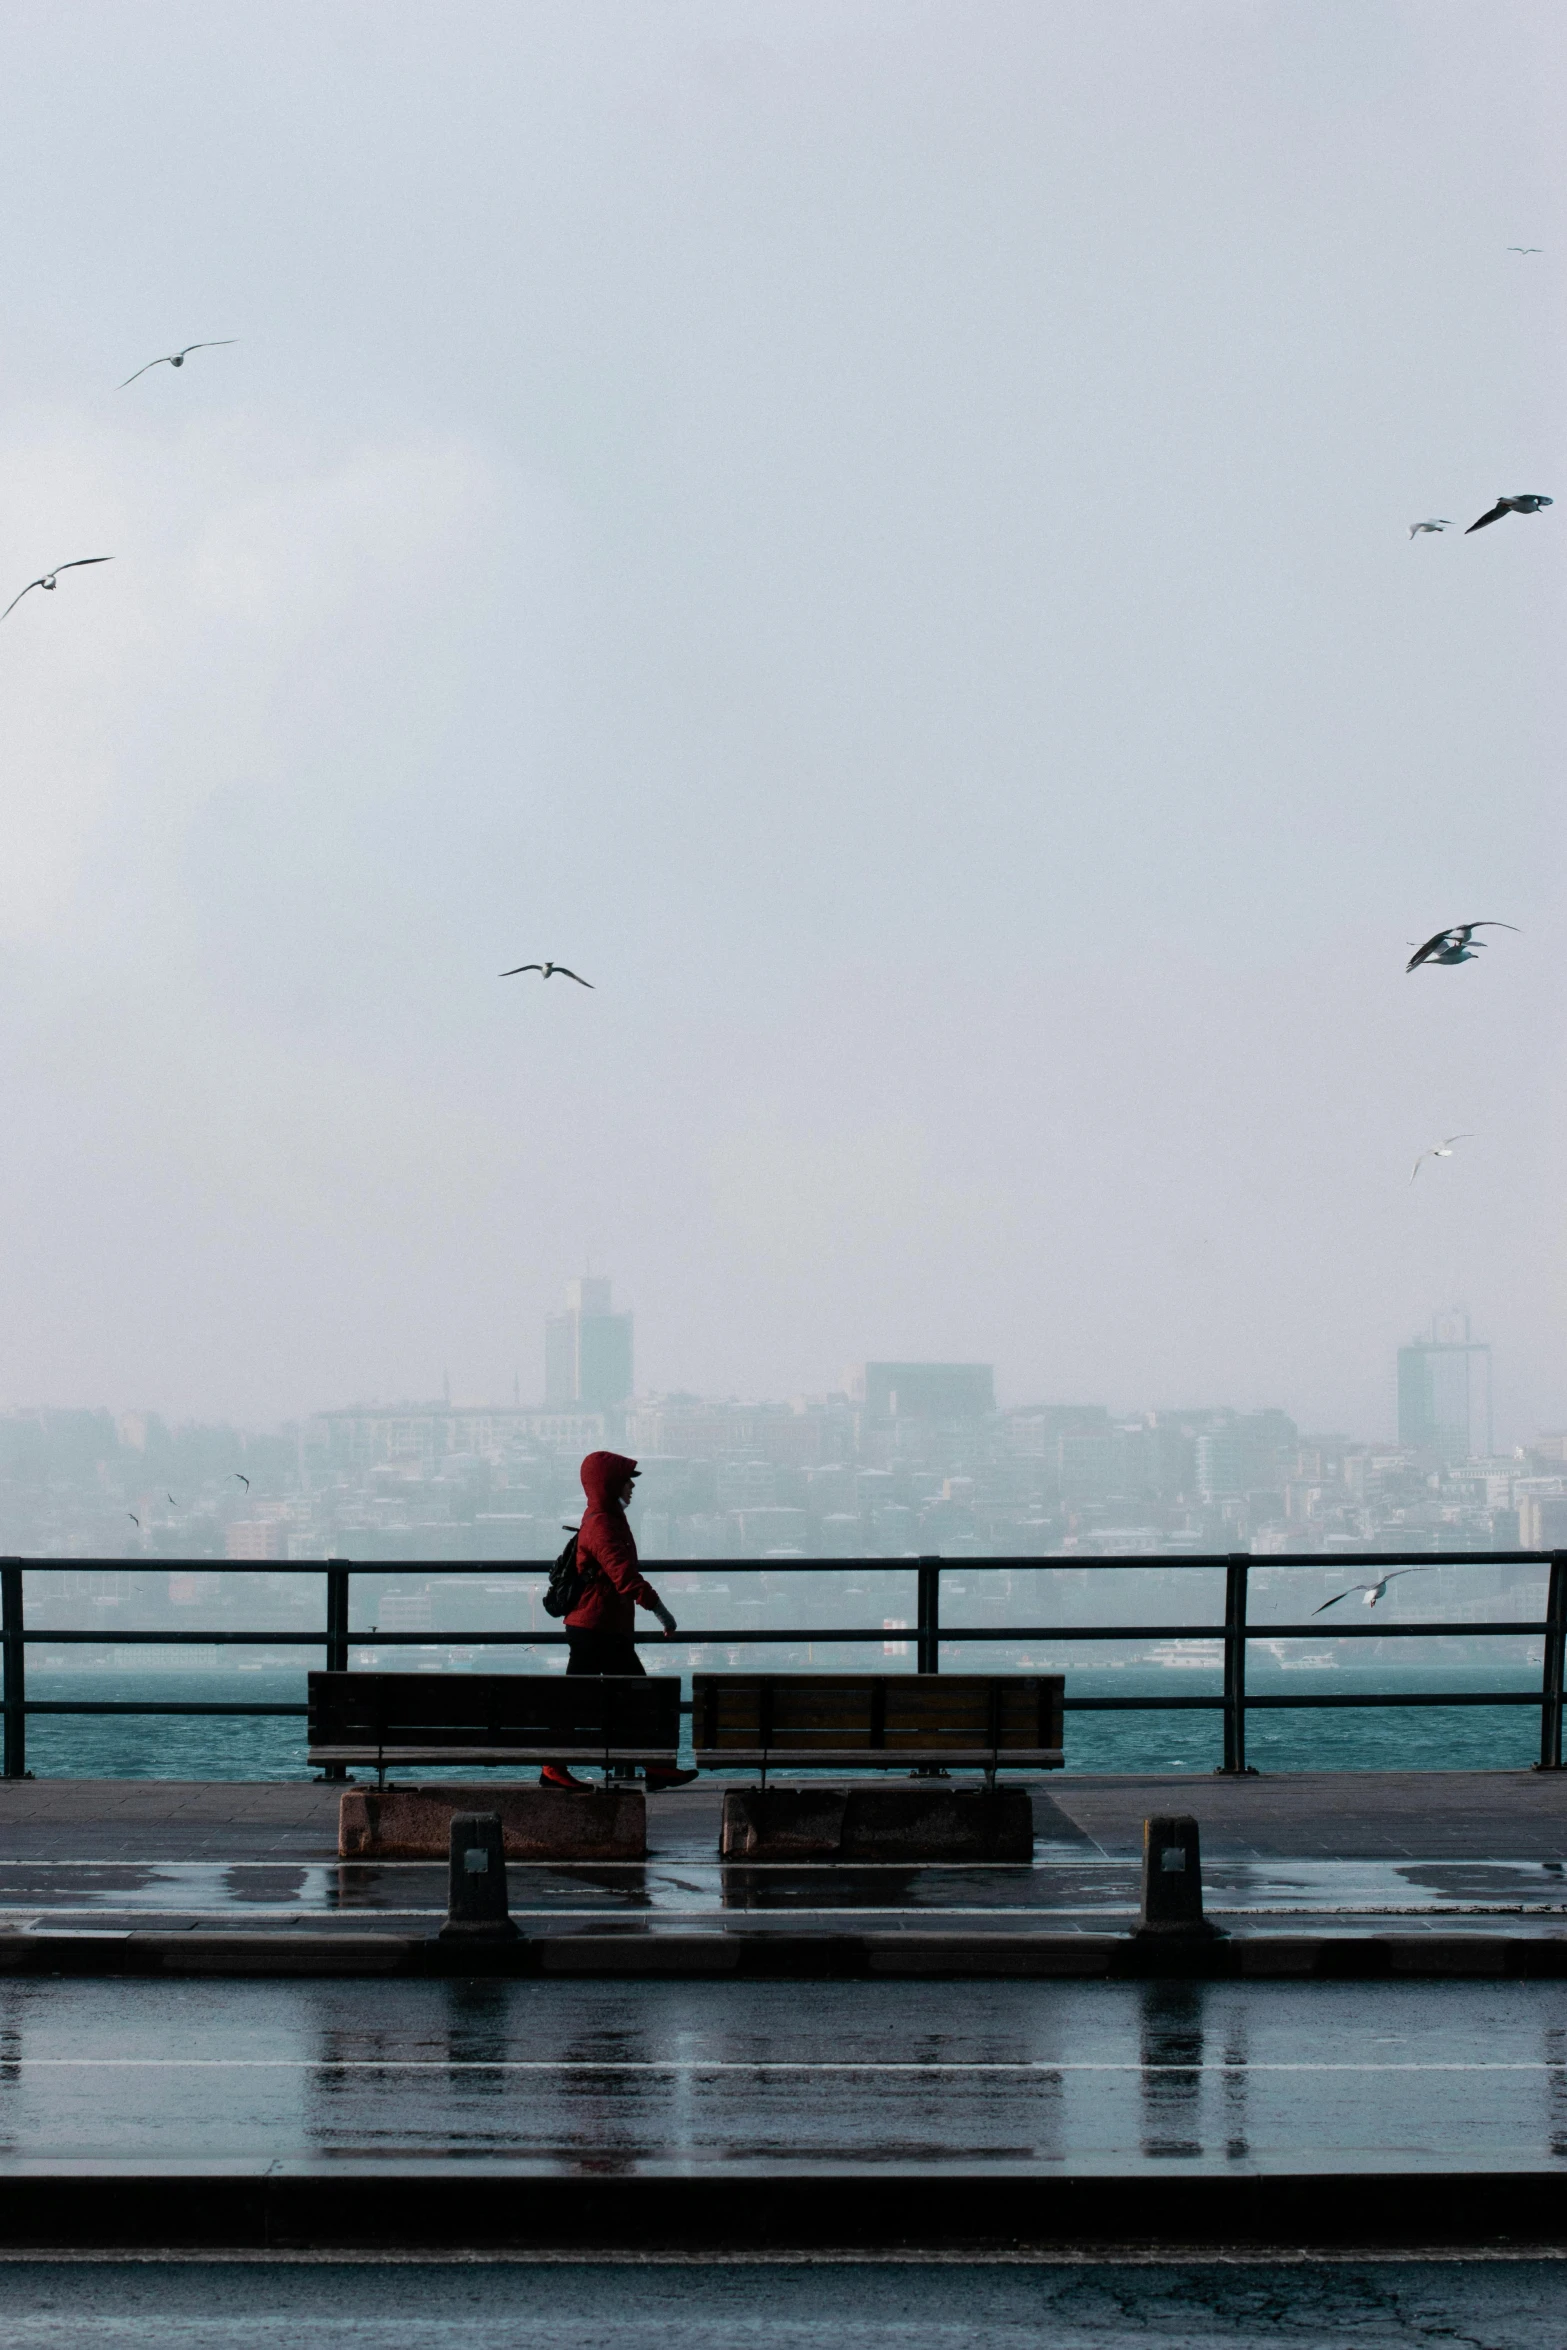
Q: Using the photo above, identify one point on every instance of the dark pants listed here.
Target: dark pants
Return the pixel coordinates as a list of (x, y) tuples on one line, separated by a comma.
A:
[(609, 1652), (603, 1652)]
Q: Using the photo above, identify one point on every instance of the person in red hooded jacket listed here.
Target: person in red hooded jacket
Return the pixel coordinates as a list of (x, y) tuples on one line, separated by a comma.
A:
[(601, 1626)]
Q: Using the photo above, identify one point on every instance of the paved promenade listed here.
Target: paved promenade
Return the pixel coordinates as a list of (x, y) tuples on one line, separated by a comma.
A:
[(1425, 1852)]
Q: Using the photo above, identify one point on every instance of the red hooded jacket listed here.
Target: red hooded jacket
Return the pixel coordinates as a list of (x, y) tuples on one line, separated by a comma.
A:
[(605, 1541)]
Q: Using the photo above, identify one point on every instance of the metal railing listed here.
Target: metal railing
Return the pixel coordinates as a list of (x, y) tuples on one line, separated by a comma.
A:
[(1234, 1632)]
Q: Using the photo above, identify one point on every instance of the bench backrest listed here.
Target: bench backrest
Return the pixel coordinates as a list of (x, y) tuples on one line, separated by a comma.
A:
[(525, 1710), (880, 1716)]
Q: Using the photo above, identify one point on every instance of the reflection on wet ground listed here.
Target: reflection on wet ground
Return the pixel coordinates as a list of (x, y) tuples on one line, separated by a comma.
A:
[(579, 2305), (660, 2077), (1065, 1892)]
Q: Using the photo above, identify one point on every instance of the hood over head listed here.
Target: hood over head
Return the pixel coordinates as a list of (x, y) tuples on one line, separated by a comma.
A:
[(603, 1474)]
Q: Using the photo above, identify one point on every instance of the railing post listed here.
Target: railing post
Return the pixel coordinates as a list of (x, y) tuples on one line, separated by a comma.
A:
[(336, 1639), (1551, 1690), (1234, 1764), (927, 1642), (11, 1628)]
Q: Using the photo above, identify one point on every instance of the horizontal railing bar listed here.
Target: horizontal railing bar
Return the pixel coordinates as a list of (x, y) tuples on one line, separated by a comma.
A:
[(182, 1639), (1426, 1628), (1056, 1562), (703, 1637), (1301, 1704), (1081, 1705), (150, 1705)]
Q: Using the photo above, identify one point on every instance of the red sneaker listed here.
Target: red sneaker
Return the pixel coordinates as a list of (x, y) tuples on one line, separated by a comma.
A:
[(556, 1775), (658, 1781)]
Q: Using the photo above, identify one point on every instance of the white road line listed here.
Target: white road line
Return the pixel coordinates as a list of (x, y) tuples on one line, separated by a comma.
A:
[(681, 2064)]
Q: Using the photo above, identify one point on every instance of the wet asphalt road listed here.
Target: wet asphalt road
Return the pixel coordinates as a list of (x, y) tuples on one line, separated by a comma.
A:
[(202, 2305), (622, 2079)]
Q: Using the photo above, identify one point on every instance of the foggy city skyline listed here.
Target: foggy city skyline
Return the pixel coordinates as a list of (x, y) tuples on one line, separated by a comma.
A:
[(887, 553)]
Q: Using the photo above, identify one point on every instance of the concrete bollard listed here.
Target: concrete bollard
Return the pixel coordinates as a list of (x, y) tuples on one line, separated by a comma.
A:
[(1172, 1878), (476, 1891)]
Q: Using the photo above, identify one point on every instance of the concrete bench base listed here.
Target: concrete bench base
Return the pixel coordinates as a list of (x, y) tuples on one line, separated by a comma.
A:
[(538, 1823), (918, 1823)]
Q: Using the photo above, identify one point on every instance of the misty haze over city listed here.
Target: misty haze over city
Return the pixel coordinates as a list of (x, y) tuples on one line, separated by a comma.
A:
[(886, 553)]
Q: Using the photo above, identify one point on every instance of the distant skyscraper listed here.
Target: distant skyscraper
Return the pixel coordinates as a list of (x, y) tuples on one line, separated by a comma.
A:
[(587, 1351), (1444, 1391)]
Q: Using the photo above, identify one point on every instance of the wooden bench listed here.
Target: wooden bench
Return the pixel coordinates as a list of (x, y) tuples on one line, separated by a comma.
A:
[(397, 1719), (877, 1721)]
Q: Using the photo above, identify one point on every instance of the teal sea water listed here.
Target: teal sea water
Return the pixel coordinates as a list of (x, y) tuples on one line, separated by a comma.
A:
[(151, 1746)]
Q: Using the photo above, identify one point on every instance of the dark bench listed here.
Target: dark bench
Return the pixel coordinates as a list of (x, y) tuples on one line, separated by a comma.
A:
[(395, 1719), (877, 1721)]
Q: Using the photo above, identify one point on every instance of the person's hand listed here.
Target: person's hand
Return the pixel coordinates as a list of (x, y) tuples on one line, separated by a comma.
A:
[(666, 1619)]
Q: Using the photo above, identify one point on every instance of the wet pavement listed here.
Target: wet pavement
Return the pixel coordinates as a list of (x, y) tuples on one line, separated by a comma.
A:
[(1063, 1894), (509, 2305), (1312, 1852), (619, 2081)]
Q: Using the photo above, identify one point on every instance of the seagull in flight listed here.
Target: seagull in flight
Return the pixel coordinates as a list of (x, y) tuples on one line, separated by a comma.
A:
[(178, 358), (548, 970), (1439, 1150), (50, 577), (131, 1514), (173, 1504), (1438, 522), (1526, 248), (1529, 503), (240, 1474), (1453, 945), (1373, 1591)]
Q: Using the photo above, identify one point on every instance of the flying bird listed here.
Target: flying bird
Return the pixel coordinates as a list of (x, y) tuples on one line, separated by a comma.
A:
[(173, 1504), (1453, 945), (1438, 522), (1373, 1591), (1438, 1150), (131, 1514), (50, 577), (1529, 503), (240, 1474), (178, 358), (1526, 248), (548, 970)]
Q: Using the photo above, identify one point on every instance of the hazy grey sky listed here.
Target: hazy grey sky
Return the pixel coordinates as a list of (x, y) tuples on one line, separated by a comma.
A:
[(877, 532)]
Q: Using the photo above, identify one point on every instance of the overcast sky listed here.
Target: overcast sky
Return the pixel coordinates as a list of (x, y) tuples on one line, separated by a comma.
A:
[(874, 530)]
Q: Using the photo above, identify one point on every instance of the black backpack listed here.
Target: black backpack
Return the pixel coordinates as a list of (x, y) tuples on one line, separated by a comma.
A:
[(567, 1581)]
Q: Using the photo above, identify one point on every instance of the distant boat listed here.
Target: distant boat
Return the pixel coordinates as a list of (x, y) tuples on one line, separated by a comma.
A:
[(1290, 1659), (1189, 1656)]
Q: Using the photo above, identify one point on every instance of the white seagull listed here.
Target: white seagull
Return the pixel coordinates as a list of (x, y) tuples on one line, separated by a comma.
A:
[(1454, 944), (178, 358), (1438, 522), (1373, 1591), (50, 577), (548, 971), (1529, 503), (1439, 1150), (1526, 248)]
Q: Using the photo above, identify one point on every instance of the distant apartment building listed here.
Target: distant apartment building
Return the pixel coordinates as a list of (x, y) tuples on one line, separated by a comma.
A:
[(923, 1391), (1542, 1520), (421, 1437), (1250, 1453), (255, 1538), (587, 1351), (1444, 1391)]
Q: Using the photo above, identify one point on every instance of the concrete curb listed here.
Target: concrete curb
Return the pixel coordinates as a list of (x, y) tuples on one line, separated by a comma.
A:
[(1009, 2209), (759, 1954)]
